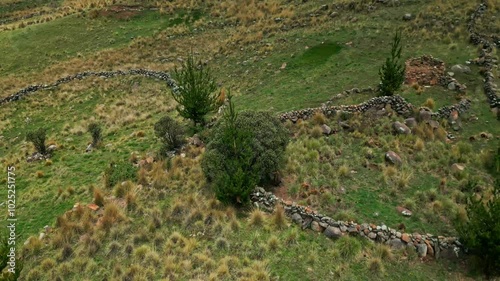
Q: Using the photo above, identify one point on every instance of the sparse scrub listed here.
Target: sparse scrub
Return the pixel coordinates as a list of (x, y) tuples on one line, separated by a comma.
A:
[(96, 132), (118, 172), (38, 139), (170, 133)]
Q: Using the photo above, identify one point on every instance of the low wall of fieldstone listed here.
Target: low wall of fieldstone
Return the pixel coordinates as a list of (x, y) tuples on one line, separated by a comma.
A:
[(485, 58), (397, 103), (164, 76), (423, 244)]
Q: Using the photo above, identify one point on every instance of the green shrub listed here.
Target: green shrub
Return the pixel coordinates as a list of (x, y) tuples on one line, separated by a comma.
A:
[(267, 138), (481, 232), (230, 161), (392, 73), (96, 131), (196, 93), (119, 172), (38, 139), (170, 133)]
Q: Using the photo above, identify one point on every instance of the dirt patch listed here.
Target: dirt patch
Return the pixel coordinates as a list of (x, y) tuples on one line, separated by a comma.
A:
[(424, 70), (120, 12)]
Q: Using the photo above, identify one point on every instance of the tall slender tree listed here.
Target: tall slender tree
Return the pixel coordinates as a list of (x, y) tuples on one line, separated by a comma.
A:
[(392, 73), (197, 94)]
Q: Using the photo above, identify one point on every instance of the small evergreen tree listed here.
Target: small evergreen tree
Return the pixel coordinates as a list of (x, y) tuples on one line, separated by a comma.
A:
[(245, 149), (197, 91), (237, 175), (392, 73), (170, 133), (38, 139), (96, 131), (481, 232)]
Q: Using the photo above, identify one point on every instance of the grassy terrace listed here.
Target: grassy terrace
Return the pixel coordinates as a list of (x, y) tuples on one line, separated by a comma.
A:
[(177, 230)]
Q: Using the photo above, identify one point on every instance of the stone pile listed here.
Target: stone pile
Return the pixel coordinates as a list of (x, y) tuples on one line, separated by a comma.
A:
[(164, 76), (423, 244)]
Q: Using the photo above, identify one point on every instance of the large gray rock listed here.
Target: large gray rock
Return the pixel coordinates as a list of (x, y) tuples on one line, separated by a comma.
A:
[(401, 128), (458, 68), (297, 218), (396, 243), (333, 232), (425, 115), (392, 158), (411, 122), (326, 129), (422, 250)]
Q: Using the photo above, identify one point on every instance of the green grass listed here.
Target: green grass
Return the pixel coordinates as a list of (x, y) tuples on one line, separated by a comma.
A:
[(36, 47)]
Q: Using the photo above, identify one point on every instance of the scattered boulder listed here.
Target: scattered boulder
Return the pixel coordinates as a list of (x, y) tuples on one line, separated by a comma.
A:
[(411, 122), (425, 115), (433, 123), (326, 129), (458, 68), (89, 148), (401, 128), (407, 17), (405, 212), (452, 86), (392, 158), (51, 147), (457, 168), (332, 232), (196, 141)]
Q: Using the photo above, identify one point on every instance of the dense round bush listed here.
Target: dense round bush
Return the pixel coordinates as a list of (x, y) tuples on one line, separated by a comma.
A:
[(269, 138)]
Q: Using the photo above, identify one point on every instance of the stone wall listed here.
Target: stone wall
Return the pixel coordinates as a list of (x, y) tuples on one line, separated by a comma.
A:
[(424, 244), (397, 103), (485, 58), (102, 74)]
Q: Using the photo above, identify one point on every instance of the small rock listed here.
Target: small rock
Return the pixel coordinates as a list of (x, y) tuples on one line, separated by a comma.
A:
[(334, 14), (52, 147), (456, 168), (401, 128), (326, 129), (405, 237), (460, 68), (323, 7), (425, 115), (452, 86), (316, 227), (393, 158), (411, 122), (372, 235), (297, 218), (407, 17)]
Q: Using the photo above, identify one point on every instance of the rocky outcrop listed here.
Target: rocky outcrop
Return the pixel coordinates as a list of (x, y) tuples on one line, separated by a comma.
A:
[(423, 244)]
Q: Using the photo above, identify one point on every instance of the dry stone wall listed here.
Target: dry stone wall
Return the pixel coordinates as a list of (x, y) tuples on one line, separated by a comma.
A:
[(423, 244), (164, 76), (485, 58), (397, 103)]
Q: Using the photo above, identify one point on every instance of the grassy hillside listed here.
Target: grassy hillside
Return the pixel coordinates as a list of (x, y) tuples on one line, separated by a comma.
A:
[(164, 222)]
